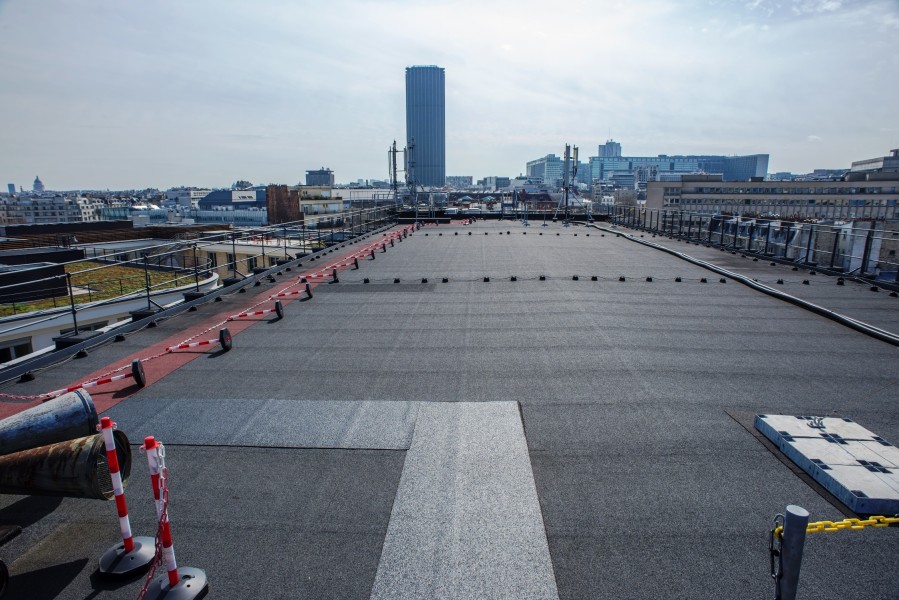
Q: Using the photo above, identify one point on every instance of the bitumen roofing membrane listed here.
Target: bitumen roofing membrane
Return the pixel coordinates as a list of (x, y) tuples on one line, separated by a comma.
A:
[(597, 445)]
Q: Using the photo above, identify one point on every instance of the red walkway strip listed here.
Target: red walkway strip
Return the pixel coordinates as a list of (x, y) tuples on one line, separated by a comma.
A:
[(116, 391)]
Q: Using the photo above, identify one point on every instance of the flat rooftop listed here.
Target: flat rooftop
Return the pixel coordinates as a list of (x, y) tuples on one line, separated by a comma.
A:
[(547, 437)]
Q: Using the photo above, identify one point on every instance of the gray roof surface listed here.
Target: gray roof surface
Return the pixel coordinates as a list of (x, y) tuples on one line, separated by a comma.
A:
[(310, 461)]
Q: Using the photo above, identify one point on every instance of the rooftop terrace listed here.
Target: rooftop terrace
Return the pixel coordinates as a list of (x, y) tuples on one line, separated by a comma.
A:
[(542, 437)]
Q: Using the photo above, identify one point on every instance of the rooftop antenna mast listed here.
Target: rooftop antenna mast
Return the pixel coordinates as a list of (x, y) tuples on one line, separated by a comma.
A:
[(568, 174), (519, 202), (391, 164), (410, 174)]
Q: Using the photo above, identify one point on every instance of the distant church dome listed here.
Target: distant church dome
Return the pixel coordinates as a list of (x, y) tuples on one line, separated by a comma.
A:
[(38, 184)]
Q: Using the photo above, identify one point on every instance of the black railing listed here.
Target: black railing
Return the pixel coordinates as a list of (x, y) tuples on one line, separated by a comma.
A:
[(865, 248), (175, 264)]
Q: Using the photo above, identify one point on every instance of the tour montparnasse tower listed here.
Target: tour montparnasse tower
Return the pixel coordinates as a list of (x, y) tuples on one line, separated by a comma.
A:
[(426, 123)]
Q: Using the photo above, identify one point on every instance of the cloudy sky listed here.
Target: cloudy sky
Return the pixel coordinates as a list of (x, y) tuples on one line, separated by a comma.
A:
[(113, 94)]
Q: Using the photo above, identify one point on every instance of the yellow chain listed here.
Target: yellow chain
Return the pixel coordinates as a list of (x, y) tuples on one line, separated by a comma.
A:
[(819, 526)]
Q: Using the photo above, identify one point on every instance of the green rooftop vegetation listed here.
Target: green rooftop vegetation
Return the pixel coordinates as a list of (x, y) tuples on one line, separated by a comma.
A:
[(90, 283)]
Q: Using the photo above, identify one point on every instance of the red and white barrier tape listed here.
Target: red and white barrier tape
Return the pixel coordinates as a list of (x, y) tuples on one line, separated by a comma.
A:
[(191, 345), (89, 384)]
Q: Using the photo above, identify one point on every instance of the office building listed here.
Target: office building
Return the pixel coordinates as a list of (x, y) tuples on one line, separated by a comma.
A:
[(11, 187), (883, 164), (494, 183), (867, 197), (610, 149), (548, 169), (459, 181), (234, 199), (46, 210), (426, 125), (610, 165), (321, 176)]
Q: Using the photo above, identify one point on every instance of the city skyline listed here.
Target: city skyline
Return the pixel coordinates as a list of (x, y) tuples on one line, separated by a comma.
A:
[(104, 95)]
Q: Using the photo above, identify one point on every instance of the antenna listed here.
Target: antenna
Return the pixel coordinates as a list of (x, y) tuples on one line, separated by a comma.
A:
[(392, 166)]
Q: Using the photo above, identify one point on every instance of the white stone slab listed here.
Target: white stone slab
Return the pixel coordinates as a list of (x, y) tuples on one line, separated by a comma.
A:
[(867, 489), (797, 426), (849, 453), (888, 454), (881, 491), (466, 521)]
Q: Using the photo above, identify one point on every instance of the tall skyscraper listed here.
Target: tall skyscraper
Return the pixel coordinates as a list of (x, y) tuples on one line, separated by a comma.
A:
[(611, 149), (426, 124)]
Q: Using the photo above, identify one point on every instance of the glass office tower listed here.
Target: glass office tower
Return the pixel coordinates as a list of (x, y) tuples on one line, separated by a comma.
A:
[(426, 123)]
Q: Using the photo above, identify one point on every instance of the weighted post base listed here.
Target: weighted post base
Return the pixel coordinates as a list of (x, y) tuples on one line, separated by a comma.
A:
[(193, 584), (118, 564)]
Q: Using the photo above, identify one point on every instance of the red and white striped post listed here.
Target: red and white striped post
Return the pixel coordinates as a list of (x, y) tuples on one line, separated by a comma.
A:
[(118, 489), (190, 582), (155, 456), (133, 554)]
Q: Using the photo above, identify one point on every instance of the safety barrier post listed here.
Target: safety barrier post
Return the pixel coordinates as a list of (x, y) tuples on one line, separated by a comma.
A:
[(307, 291), (795, 524), (190, 582), (72, 302), (836, 243), (278, 310), (866, 254), (196, 269), (136, 372), (134, 554), (224, 340)]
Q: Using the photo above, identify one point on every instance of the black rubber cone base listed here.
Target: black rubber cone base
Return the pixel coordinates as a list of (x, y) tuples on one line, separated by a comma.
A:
[(225, 339), (118, 564), (193, 584), (137, 371)]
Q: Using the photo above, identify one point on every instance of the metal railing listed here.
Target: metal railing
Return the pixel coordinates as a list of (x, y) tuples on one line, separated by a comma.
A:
[(114, 276), (865, 248)]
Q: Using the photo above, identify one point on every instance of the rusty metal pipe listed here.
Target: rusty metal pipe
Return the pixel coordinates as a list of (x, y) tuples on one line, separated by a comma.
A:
[(64, 418), (75, 468)]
